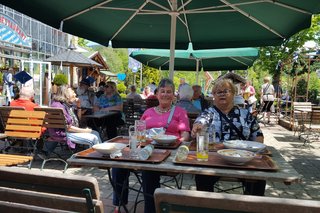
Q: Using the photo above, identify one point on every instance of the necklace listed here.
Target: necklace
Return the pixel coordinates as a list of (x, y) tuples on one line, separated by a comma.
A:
[(162, 110)]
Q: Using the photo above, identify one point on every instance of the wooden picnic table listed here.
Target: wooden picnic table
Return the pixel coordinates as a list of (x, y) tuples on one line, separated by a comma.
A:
[(12, 160), (286, 173)]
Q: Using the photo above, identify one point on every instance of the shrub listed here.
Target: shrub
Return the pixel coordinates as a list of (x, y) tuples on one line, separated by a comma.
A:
[(60, 79)]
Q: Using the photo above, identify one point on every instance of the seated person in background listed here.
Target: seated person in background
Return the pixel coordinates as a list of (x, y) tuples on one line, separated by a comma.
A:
[(185, 95), (85, 97), (152, 100), (101, 88), (156, 117), (146, 92), (26, 99), (110, 101), (198, 99), (64, 98), (133, 93), (248, 128)]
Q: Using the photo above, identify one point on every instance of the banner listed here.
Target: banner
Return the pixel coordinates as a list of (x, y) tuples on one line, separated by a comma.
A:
[(11, 32), (134, 65)]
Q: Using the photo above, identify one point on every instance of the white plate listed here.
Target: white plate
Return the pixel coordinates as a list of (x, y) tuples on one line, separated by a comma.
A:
[(108, 148), (236, 156), (164, 139), (246, 145)]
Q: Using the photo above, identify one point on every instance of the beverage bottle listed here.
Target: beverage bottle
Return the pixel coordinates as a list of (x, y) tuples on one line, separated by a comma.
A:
[(212, 134), (146, 152)]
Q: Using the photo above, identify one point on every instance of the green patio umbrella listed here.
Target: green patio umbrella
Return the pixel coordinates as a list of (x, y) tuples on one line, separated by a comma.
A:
[(193, 60), (173, 24)]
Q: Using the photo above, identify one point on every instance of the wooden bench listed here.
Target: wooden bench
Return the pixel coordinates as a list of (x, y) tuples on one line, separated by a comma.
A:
[(12, 160), (171, 200), (23, 190)]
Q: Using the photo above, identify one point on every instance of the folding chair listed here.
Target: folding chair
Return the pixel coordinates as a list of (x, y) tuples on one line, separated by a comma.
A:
[(25, 125), (54, 118)]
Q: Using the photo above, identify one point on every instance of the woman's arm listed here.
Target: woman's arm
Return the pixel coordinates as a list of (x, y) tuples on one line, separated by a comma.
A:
[(185, 136), (78, 130)]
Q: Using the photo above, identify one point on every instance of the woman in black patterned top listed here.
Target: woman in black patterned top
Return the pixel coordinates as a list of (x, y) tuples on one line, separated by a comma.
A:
[(247, 129)]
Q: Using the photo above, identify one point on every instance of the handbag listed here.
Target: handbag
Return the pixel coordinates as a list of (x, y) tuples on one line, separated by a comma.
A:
[(230, 123), (252, 99)]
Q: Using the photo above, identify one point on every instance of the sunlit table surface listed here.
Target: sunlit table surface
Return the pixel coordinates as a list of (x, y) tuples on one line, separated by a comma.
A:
[(286, 173)]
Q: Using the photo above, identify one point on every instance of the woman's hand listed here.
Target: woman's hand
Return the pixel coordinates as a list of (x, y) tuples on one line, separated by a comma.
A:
[(197, 127), (78, 102)]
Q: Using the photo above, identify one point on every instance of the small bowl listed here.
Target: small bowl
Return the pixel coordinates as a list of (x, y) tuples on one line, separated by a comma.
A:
[(236, 156), (108, 148), (165, 139)]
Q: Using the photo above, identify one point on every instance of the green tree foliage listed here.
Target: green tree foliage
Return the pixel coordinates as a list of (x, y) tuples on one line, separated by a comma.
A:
[(270, 56), (117, 59), (82, 42), (121, 87)]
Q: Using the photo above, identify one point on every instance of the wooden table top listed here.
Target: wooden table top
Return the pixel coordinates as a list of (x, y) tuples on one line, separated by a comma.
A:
[(286, 173), (12, 160)]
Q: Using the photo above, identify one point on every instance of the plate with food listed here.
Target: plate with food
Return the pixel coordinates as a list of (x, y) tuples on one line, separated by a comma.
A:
[(236, 156)]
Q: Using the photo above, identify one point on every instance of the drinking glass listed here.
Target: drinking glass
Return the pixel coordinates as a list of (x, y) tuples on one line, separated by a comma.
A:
[(203, 146), (133, 142), (140, 127)]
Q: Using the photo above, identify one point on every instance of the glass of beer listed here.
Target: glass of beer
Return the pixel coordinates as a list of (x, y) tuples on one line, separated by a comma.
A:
[(140, 127)]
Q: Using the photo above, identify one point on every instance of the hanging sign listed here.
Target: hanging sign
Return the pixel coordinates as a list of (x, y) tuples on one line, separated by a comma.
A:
[(11, 32), (134, 65)]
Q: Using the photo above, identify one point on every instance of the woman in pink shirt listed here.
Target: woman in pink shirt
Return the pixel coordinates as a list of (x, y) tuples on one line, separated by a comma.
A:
[(156, 117)]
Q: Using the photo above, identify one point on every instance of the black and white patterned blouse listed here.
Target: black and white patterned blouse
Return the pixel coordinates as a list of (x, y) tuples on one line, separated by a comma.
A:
[(241, 118)]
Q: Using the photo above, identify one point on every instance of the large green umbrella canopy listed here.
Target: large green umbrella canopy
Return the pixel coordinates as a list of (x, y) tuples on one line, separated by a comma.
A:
[(193, 60), (173, 24)]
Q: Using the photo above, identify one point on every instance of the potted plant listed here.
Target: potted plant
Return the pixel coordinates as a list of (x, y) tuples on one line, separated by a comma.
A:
[(58, 80)]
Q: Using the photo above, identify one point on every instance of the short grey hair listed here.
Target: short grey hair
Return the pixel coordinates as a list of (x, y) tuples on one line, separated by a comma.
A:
[(186, 92), (166, 82), (26, 92)]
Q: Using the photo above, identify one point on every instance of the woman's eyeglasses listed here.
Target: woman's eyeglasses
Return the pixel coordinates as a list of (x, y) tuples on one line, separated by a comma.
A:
[(223, 92), (107, 86)]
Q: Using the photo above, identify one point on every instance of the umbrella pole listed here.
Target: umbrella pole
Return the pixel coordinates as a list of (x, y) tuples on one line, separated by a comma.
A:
[(174, 15), (197, 69)]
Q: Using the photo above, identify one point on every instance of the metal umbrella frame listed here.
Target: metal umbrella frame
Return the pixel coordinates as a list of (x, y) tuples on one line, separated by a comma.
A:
[(172, 24), (194, 60)]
